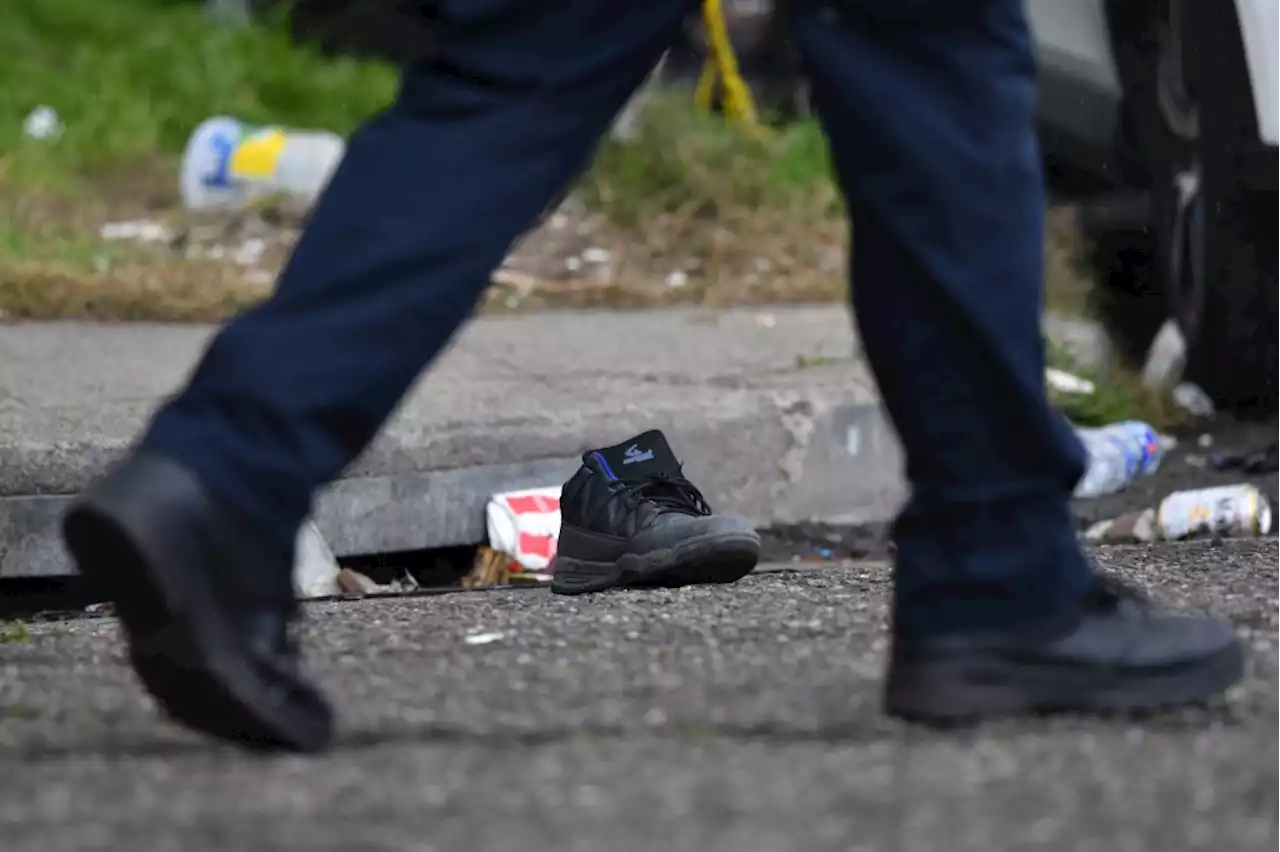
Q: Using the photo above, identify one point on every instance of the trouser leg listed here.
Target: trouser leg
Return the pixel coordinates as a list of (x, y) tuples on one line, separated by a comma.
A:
[(928, 105), (427, 201)]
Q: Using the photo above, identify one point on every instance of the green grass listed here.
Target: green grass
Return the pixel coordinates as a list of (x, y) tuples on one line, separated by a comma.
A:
[(752, 220), (131, 79), (13, 632), (1119, 394), (685, 161), (76, 247)]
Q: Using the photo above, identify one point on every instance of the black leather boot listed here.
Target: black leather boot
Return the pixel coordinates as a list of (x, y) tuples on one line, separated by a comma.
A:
[(206, 606), (1118, 654), (630, 518)]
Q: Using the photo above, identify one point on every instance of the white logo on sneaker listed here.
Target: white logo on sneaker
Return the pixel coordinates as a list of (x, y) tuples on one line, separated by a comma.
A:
[(632, 455)]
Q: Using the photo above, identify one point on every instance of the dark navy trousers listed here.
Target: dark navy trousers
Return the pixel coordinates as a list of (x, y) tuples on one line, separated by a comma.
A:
[(928, 106)]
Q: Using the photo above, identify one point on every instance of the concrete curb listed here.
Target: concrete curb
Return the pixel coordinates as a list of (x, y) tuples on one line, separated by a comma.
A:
[(820, 459), (767, 431)]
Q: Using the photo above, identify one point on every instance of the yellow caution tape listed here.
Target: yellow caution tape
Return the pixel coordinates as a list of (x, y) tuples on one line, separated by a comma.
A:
[(721, 68)]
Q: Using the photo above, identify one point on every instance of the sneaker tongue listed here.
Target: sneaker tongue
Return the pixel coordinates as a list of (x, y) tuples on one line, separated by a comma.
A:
[(638, 458)]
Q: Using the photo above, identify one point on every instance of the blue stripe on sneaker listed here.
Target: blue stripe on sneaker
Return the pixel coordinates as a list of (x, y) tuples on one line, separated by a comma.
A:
[(604, 464)]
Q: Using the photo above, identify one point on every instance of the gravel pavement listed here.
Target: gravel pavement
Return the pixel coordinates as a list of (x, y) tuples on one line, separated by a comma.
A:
[(739, 719)]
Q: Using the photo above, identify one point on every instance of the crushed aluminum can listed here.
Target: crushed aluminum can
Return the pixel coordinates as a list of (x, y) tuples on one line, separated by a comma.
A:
[(1227, 511)]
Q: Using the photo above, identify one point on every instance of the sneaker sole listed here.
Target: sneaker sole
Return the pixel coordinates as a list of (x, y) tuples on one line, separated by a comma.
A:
[(186, 655), (712, 559), (951, 693)]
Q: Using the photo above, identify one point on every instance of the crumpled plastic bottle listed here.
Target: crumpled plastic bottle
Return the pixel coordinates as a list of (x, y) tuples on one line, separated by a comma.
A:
[(1118, 454)]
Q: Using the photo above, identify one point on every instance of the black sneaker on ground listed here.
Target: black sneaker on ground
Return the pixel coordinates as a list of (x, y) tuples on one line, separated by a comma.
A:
[(206, 608), (630, 518), (1120, 654)]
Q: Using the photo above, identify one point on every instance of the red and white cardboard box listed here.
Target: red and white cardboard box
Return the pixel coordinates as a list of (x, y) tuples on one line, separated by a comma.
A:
[(525, 525)]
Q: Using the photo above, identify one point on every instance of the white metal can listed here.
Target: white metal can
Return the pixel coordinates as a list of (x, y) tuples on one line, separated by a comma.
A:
[(1227, 511)]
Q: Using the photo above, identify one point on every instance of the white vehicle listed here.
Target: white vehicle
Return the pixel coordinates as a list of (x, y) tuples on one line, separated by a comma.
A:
[(1178, 100)]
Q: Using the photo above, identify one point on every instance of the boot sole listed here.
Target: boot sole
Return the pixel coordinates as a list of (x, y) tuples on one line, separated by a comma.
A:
[(949, 693), (711, 559), (185, 653)]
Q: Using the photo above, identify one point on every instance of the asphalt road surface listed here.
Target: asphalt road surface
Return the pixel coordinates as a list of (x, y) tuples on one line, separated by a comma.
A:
[(740, 719)]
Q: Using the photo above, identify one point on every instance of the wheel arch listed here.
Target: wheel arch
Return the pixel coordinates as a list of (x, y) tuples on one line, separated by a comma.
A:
[(1132, 27), (1259, 22)]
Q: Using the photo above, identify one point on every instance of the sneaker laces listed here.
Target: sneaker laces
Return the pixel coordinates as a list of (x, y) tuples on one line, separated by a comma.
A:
[(669, 491)]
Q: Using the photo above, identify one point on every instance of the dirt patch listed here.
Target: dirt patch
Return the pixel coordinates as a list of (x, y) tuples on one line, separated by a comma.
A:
[(98, 260), (690, 212), (137, 258)]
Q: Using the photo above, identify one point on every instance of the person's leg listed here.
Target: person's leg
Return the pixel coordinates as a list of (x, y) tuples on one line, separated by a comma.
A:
[(929, 109), (427, 201), (192, 535), (928, 106)]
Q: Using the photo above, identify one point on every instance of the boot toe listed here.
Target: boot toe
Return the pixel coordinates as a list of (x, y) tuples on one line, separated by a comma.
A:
[(206, 609)]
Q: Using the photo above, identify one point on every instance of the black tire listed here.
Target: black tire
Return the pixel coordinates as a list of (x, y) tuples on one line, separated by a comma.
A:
[(1233, 340), (1127, 299), (1212, 268)]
